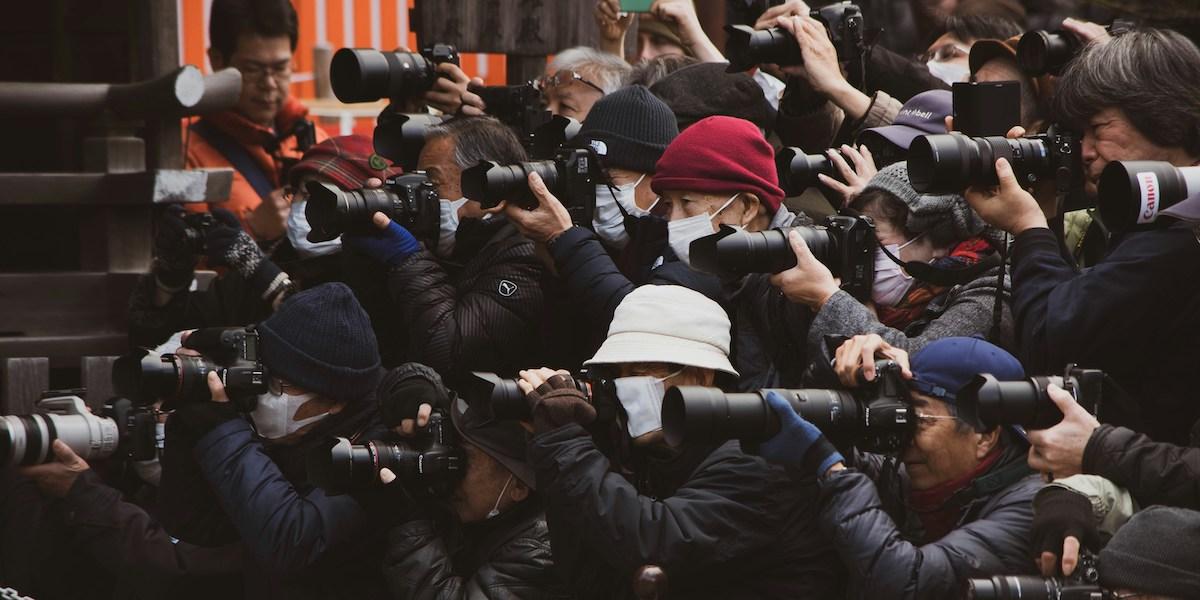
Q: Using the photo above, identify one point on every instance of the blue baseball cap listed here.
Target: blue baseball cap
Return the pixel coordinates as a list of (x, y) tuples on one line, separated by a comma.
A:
[(923, 114), (943, 367)]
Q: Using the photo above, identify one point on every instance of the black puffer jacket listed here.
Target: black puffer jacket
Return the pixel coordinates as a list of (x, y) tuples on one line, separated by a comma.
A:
[(480, 311), (720, 523), (506, 557), (1154, 472), (863, 511)]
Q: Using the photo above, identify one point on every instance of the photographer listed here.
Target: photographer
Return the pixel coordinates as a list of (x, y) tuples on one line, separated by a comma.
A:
[(720, 523), (904, 312), (959, 508), (229, 472), (577, 78), (1132, 99), (268, 130), (671, 27), (496, 544), (473, 300)]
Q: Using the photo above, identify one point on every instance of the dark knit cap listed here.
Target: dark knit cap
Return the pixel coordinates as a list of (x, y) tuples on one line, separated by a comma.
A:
[(348, 160), (321, 340), (704, 90), (720, 155), (504, 440), (1155, 552), (629, 129)]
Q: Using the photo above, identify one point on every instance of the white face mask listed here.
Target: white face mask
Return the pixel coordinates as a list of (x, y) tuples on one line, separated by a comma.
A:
[(948, 71), (642, 399), (681, 233), (275, 414), (496, 507), (891, 282), (297, 232), (609, 220), (448, 225)]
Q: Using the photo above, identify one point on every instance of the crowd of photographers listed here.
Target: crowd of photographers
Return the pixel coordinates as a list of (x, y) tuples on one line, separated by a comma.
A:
[(830, 312)]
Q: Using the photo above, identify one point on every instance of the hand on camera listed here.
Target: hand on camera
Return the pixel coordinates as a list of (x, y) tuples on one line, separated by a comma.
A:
[(856, 178), (791, 8), (1086, 31), (450, 94), (682, 14), (268, 220), (809, 282), (553, 399), (798, 443), (390, 244), (543, 223), (1058, 451), (228, 245), (54, 479), (821, 67), (174, 258), (1007, 206), (611, 24), (1062, 522), (858, 354), (408, 395)]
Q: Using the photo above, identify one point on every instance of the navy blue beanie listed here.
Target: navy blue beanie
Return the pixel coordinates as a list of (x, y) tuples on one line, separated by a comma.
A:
[(321, 340)]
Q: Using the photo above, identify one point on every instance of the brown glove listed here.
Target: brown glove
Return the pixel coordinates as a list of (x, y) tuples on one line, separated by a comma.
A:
[(556, 403)]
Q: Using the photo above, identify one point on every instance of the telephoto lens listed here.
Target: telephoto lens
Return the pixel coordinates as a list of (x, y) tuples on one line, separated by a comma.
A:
[(366, 74), (1133, 194), (338, 466), (702, 414), (1027, 403), (1046, 52), (569, 178), (26, 439), (746, 47), (503, 398), (147, 376), (410, 200), (950, 163), (798, 171)]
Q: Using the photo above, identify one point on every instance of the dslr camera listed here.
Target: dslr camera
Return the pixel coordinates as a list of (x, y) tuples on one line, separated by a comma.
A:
[(950, 163), (1044, 52), (1027, 403), (846, 244), (504, 400), (400, 137), (798, 171), (410, 200), (571, 176), (1080, 586), (747, 47), (876, 417), (233, 354), (366, 74), (26, 439), (542, 133), (433, 462)]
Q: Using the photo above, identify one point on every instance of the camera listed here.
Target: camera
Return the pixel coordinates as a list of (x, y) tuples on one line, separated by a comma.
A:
[(986, 108), (569, 176), (747, 47), (1132, 194), (338, 466), (410, 200), (1027, 403), (798, 171), (550, 138), (504, 400), (198, 225), (846, 244), (876, 417), (1080, 586), (26, 439), (366, 74), (950, 163), (400, 137), (1046, 52), (145, 376)]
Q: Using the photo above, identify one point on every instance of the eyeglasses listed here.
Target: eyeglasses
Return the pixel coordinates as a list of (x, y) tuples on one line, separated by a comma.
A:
[(563, 78), (255, 71), (926, 420), (946, 52)]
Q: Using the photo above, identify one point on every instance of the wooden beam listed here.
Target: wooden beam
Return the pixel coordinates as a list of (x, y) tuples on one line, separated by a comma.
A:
[(96, 376), (115, 189), (22, 381)]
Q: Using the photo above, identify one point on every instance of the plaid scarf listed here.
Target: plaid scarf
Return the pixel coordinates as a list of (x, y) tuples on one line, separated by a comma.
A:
[(910, 307)]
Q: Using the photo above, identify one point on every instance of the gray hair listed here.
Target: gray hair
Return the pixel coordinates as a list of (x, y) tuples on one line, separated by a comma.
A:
[(1150, 75), (601, 68), (479, 138)]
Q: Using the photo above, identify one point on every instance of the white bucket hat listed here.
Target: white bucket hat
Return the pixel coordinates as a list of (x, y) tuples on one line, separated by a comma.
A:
[(668, 324)]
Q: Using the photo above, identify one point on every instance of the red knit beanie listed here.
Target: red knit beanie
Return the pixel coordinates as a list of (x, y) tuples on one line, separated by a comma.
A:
[(720, 155), (348, 160)]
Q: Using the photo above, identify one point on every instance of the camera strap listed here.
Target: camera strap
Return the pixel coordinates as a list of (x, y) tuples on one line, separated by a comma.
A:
[(945, 276), (237, 156)]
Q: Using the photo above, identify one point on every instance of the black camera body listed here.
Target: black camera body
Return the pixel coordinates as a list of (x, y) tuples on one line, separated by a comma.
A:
[(411, 200), (798, 171), (367, 75), (432, 463), (844, 243), (570, 176), (233, 354), (1082, 585), (400, 136), (503, 399), (877, 417), (195, 234), (746, 47), (1027, 403), (950, 163)]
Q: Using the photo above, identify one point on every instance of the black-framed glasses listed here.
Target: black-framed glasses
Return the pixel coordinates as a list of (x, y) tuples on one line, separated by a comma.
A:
[(562, 78), (256, 71)]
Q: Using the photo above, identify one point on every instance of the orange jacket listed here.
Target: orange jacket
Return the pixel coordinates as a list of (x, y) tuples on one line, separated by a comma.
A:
[(254, 138)]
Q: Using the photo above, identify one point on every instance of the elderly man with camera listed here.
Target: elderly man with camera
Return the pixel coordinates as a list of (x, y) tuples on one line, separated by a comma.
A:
[(953, 503)]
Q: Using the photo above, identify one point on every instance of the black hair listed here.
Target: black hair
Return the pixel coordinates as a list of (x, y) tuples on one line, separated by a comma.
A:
[(1150, 75), (230, 19)]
